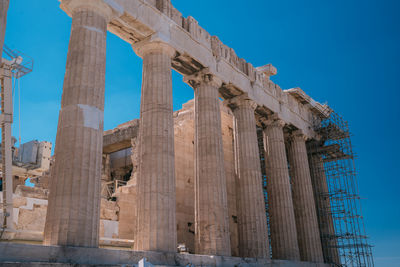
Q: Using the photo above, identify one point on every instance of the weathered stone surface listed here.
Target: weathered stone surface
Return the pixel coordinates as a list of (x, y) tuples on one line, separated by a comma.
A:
[(74, 203), (108, 229), (252, 220), (322, 201), (211, 206), (231, 177), (303, 200), (17, 181), (32, 192), (46, 264), (198, 49), (184, 166), (109, 210), (120, 137), (32, 220), (10, 252), (19, 201), (156, 223), (280, 203), (30, 214), (127, 203)]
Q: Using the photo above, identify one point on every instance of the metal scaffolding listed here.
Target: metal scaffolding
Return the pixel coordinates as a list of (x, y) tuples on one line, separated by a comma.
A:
[(260, 137), (336, 193), (15, 65)]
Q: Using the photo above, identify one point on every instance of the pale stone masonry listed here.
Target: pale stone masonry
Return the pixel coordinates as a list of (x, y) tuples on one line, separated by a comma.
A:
[(184, 166), (282, 220), (211, 206), (219, 169), (156, 223), (74, 202), (322, 200), (252, 221), (303, 200)]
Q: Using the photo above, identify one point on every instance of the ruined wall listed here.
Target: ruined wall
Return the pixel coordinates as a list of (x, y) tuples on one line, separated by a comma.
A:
[(229, 157), (126, 202), (117, 150), (184, 170), (118, 215), (30, 209), (126, 197)]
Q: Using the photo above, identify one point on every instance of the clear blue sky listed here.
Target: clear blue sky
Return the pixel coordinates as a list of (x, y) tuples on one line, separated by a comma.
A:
[(346, 52)]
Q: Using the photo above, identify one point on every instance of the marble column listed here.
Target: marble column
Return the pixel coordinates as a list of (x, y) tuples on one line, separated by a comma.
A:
[(281, 213), (322, 201), (252, 220), (211, 207), (303, 200), (3, 23), (74, 201), (156, 219)]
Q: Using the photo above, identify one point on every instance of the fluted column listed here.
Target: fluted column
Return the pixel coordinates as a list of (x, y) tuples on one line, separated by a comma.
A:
[(3, 23), (74, 201), (156, 222), (303, 200), (252, 220), (322, 201), (280, 204), (211, 208)]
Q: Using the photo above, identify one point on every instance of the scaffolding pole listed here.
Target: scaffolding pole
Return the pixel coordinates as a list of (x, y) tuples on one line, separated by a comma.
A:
[(261, 148), (6, 155), (333, 172)]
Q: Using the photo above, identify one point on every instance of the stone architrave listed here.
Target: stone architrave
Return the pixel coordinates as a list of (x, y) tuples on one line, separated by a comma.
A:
[(211, 207), (252, 220), (156, 218), (74, 203), (280, 204), (303, 200)]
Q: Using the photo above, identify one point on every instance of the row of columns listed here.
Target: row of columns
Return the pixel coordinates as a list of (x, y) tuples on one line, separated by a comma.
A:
[(73, 212)]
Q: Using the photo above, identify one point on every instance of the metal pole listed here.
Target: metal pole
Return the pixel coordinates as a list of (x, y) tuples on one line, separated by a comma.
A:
[(3, 23), (6, 121), (6, 110)]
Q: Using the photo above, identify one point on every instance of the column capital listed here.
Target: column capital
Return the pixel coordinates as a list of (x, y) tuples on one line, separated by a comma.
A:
[(273, 121), (201, 77), (298, 135), (155, 43), (241, 101), (109, 9)]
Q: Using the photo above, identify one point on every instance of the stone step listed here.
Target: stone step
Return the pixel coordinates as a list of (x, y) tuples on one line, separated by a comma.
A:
[(47, 264)]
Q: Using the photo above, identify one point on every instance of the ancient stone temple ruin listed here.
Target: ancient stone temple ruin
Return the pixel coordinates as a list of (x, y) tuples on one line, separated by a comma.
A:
[(237, 177)]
